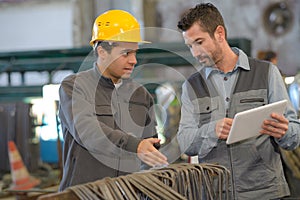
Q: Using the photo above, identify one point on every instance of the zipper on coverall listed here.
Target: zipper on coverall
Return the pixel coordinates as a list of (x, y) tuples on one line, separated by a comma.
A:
[(230, 160), (120, 122)]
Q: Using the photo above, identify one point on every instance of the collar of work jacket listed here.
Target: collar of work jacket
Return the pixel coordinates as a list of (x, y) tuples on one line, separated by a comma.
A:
[(105, 81), (242, 63)]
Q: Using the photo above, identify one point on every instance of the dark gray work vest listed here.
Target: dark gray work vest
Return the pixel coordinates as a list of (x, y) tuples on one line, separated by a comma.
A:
[(250, 91), (256, 161)]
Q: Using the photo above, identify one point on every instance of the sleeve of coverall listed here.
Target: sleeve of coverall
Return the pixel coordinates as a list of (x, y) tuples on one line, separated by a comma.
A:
[(277, 92)]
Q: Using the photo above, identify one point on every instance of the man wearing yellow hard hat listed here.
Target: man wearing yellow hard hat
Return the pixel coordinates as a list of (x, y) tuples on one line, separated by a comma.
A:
[(107, 119)]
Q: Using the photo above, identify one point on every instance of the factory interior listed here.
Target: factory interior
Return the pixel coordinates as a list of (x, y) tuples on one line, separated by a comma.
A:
[(42, 42)]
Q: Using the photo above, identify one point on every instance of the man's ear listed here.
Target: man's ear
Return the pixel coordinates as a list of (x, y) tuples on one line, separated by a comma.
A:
[(220, 33), (102, 53)]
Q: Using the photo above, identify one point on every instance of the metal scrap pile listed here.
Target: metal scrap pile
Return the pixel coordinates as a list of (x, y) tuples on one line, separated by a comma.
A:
[(177, 181)]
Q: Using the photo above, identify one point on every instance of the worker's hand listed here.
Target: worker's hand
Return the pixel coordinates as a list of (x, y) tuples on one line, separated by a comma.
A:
[(149, 154), (275, 127), (223, 127)]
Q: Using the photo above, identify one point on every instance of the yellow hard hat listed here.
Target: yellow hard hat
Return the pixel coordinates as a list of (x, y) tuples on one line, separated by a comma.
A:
[(116, 25)]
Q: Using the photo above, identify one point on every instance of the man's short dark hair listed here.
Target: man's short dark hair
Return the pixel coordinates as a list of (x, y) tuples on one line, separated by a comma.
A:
[(107, 46), (206, 14), (270, 55)]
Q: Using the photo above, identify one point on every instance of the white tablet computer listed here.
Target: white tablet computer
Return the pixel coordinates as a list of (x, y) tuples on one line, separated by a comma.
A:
[(248, 123)]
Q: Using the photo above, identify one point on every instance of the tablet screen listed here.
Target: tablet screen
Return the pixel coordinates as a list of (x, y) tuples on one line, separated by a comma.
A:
[(248, 123)]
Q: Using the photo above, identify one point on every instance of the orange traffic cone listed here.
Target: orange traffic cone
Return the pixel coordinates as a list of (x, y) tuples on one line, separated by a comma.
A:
[(20, 176)]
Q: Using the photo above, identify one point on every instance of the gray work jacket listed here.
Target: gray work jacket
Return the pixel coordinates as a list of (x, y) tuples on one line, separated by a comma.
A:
[(102, 126), (255, 164)]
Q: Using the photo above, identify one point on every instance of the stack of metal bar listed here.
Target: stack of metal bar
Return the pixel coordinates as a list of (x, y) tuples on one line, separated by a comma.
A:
[(176, 181)]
